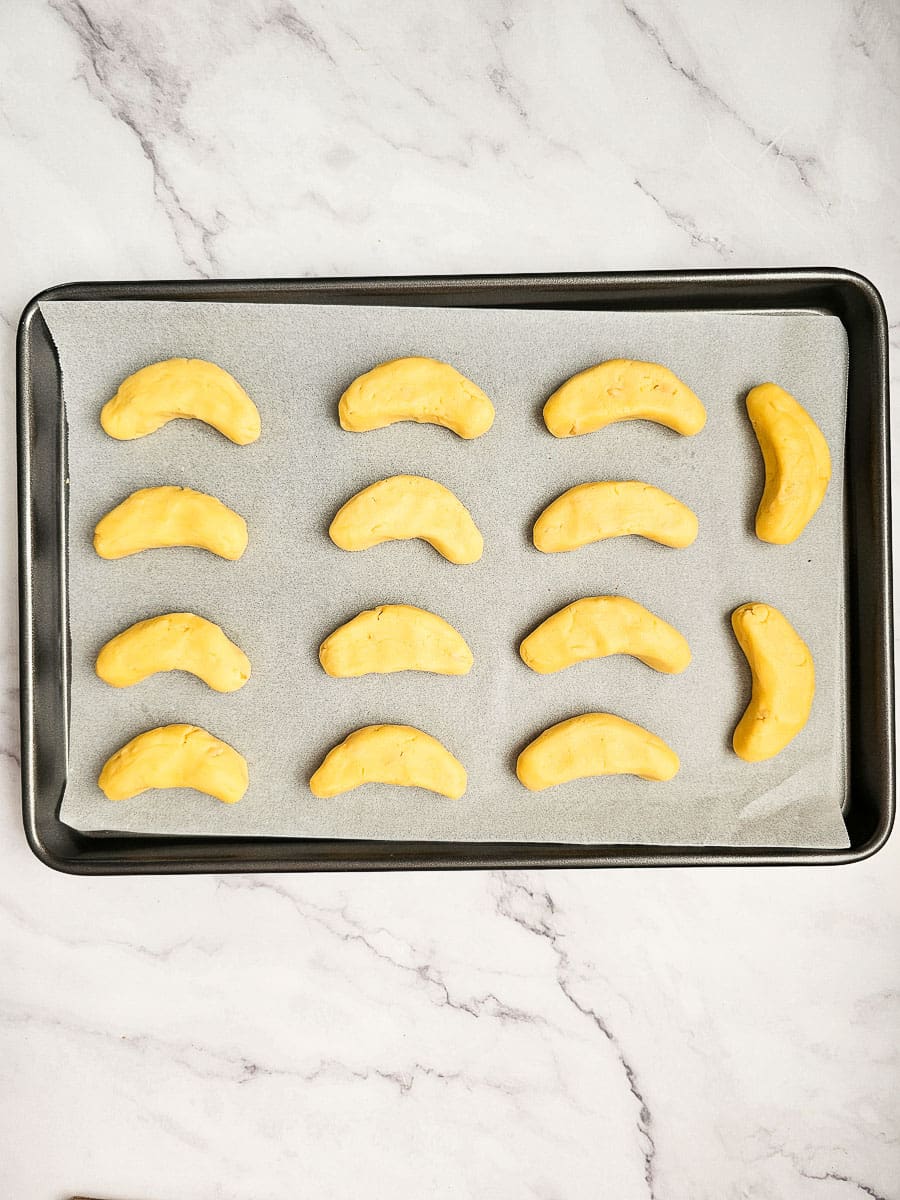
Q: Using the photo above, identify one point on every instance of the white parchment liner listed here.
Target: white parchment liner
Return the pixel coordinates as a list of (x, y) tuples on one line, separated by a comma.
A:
[(293, 586)]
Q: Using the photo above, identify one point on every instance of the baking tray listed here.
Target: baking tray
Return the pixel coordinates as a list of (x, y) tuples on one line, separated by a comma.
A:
[(45, 650)]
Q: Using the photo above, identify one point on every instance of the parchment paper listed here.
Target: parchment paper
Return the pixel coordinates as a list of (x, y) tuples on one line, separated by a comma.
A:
[(293, 587)]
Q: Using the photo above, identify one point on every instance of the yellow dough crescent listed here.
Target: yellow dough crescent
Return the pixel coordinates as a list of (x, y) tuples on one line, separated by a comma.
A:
[(395, 637), (396, 754), (784, 681), (623, 390), (598, 626), (408, 506), (170, 516), (175, 756), (416, 389), (797, 462), (176, 388), (174, 642), (592, 512), (594, 744)]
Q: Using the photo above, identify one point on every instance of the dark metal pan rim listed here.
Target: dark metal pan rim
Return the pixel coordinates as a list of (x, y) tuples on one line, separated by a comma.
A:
[(846, 294)]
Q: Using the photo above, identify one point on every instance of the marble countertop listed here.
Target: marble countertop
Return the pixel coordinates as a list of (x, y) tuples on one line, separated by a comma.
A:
[(666, 1034)]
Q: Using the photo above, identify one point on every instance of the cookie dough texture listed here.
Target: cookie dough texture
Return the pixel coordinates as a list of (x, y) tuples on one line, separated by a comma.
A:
[(599, 626), (623, 390), (393, 754), (797, 462), (783, 682), (175, 756), (181, 388), (416, 389), (594, 744), (593, 512), (395, 637), (174, 642), (403, 507), (170, 516)]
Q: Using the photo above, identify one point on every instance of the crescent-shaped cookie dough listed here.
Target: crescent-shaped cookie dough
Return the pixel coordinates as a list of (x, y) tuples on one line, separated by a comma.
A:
[(174, 642), (170, 516), (175, 756), (408, 506), (598, 626), (180, 387), (395, 637), (416, 389), (797, 462), (395, 754), (594, 744), (622, 390), (593, 512), (784, 682)]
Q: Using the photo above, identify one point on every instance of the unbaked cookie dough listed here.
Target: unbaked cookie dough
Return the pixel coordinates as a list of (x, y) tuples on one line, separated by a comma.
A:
[(599, 626), (415, 389), (783, 681), (174, 642), (181, 388), (594, 744), (170, 516), (395, 637), (623, 390), (175, 756), (394, 754), (592, 512), (797, 462), (403, 507)]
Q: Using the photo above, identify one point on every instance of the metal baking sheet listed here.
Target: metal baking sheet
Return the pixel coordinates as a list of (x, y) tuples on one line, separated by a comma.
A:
[(791, 345)]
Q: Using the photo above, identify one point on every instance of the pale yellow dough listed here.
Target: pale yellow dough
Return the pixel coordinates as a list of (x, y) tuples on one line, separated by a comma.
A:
[(592, 512), (598, 626), (408, 506), (181, 387), (394, 754), (174, 642), (170, 516), (797, 462), (175, 756), (416, 389), (594, 744), (395, 637), (784, 681), (623, 390)]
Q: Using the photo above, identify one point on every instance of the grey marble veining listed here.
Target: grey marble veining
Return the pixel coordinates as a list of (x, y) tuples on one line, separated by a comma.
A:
[(674, 1035)]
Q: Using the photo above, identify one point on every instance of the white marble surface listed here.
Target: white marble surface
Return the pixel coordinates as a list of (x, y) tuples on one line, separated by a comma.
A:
[(658, 1034)]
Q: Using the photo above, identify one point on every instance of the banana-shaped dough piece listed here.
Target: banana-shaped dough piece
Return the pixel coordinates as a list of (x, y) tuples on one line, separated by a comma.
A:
[(395, 637), (416, 389), (797, 462), (170, 516), (175, 756), (174, 642), (594, 744), (592, 512), (598, 626), (784, 682), (395, 754), (180, 387), (622, 390), (408, 506)]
